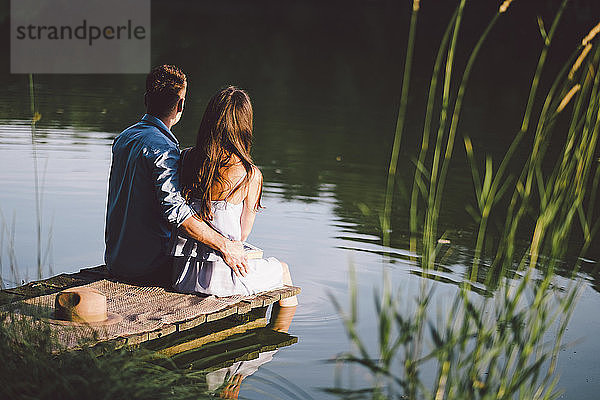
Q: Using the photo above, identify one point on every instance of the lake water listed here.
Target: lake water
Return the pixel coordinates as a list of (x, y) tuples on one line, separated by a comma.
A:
[(325, 84)]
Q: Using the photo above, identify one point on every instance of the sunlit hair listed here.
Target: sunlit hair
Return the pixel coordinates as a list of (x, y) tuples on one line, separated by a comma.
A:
[(225, 130)]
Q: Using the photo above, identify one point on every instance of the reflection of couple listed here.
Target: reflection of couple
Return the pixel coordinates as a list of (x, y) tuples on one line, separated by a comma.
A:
[(179, 219)]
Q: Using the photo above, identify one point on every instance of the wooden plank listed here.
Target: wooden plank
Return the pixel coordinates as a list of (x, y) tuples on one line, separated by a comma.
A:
[(133, 340), (243, 307), (32, 289), (285, 292), (47, 286), (163, 331), (64, 281), (272, 296), (254, 302), (268, 298), (99, 272), (191, 323), (289, 291), (226, 312)]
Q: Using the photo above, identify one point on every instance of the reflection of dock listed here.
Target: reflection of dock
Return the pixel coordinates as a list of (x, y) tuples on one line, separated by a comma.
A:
[(221, 343), (151, 313)]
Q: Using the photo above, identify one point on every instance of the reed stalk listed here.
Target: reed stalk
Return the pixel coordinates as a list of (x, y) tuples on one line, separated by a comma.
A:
[(456, 115), (506, 248), (494, 347), (430, 227), (35, 116), (400, 122), (420, 170)]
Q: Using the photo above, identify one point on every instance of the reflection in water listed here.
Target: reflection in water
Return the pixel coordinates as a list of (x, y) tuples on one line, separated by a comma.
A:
[(281, 318), (227, 381), (230, 350)]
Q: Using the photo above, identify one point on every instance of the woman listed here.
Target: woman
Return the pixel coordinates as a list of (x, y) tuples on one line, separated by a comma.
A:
[(224, 187)]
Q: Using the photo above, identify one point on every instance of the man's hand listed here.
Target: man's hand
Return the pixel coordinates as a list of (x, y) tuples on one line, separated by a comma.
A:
[(232, 251), (234, 255)]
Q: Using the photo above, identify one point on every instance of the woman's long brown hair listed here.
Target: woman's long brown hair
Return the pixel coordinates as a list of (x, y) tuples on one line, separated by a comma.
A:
[(225, 130)]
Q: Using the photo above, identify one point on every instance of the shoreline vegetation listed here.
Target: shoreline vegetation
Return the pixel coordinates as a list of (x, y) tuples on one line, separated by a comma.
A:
[(493, 345)]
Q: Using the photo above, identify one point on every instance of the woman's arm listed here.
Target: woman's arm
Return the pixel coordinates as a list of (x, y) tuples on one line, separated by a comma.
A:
[(250, 202)]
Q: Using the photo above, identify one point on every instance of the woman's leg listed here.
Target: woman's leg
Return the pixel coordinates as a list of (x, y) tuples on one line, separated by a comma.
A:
[(287, 280)]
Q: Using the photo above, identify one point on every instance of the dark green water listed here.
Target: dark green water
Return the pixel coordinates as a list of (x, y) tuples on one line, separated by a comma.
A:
[(325, 83)]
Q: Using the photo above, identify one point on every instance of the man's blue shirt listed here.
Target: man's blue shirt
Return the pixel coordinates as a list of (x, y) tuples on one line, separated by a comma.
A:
[(144, 199)]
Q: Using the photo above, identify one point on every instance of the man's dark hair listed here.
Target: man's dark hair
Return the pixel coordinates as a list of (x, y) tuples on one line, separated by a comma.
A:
[(163, 85)]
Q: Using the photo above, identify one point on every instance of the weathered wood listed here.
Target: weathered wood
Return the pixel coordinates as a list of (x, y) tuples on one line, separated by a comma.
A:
[(165, 330), (47, 286), (136, 339), (254, 302), (191, 323), (240, 313), (243, 307), (226, 312), (288, 291), (268, 298), (100, 272)]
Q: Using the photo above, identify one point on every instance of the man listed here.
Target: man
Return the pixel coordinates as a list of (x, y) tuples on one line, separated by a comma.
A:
[(144, 199)]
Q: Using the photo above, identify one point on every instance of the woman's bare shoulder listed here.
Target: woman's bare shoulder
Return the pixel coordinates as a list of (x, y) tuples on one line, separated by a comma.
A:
[(255, 175)]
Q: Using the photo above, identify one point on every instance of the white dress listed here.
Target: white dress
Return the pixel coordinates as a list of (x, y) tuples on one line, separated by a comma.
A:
[(200, 269)]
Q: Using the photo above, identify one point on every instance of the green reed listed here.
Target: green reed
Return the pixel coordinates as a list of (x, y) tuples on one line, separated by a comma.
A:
[(495, 185), (41, 254), (492, 347), (7, 242), (387, 208)]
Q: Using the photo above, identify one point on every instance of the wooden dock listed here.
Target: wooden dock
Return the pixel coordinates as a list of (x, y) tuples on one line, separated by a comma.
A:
[(244, 315)]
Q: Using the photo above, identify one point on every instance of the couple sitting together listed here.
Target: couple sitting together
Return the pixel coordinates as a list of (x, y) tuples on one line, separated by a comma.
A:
[(179, 218)]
